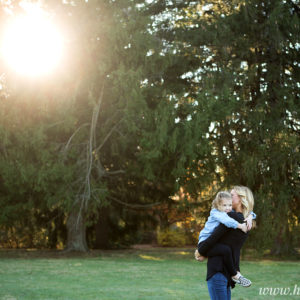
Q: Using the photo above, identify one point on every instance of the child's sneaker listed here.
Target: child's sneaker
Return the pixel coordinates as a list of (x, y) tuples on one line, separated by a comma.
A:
[(242, 281)]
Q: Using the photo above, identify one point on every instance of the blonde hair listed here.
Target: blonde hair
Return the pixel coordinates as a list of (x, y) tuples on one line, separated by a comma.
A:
[(219, 197), (247, 199)]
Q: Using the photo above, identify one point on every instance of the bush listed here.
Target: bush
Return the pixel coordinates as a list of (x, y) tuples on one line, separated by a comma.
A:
[(171, 238)]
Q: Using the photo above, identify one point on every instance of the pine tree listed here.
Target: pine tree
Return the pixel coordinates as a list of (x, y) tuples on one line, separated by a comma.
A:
[(243, 82), (108, 123)]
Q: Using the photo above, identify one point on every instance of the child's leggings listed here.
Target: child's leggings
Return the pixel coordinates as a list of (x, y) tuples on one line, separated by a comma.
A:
[(219, 250)]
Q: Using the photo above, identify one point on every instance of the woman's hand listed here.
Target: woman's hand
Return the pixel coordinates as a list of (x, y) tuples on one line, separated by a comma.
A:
[(249, 222), (243, 227), (198, 256)]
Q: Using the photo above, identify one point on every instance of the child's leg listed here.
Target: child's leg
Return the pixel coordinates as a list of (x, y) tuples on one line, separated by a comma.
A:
[(225, 251), (207, 244)]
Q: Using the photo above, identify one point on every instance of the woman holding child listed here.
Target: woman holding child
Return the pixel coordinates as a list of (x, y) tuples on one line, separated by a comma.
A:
[(222, 238)]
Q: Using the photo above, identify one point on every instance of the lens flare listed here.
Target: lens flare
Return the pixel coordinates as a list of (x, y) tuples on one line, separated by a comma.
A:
[(32, 45)]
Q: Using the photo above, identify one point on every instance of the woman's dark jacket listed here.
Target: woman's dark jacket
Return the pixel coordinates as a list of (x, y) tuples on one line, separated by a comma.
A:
[(234, 238)]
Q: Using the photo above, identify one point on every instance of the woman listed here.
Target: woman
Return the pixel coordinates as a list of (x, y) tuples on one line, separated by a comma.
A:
[(218, 278)]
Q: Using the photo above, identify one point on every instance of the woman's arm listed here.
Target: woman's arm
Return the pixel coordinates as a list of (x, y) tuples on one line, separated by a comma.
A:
[(218, 233), (208, 243)]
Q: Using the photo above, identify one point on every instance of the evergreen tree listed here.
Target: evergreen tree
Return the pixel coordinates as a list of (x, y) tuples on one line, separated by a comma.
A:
[(243, 81), (108, 123), (157, 95)]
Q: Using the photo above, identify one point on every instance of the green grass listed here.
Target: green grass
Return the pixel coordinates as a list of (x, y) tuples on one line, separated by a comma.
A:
[(150, 273)]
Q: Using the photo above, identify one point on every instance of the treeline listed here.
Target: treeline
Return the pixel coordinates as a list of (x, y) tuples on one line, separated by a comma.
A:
[(154, 97)]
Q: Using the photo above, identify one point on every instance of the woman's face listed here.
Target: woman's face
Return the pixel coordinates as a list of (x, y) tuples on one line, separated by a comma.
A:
[(236, 200)]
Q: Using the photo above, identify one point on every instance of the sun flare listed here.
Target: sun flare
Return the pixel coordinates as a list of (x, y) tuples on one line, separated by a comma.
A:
[(32, 45)]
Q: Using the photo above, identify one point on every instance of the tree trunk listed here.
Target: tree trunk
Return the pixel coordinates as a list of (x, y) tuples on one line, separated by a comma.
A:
[(282, 244), (102, 229), (76, 232)]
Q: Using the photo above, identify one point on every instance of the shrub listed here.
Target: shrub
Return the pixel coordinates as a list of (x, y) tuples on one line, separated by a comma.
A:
[(171, 238)]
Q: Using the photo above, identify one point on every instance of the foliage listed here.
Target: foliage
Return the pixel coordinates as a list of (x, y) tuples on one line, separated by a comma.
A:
[(104, 130), (155, 96), (171, 238), (242, 77)]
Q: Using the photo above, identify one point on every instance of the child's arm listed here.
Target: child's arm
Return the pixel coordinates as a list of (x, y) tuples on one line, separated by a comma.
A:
[(223, 218), (218, 232)]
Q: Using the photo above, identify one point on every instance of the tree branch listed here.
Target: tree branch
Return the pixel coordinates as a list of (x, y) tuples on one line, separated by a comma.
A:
[(107, 137), (72, 136), (143, 206)]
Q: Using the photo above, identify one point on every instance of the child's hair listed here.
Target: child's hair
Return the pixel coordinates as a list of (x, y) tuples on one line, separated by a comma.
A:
[(218, 200), (246, 198)]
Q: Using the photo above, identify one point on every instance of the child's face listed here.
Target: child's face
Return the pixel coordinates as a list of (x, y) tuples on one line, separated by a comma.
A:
[(226, 205)]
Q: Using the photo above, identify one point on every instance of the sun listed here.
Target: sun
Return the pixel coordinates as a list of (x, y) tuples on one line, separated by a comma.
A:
[(31, 44)]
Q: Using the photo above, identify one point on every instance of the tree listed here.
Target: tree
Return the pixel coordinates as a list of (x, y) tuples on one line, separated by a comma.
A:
[(156, 96), (110, 121), (243, 79)]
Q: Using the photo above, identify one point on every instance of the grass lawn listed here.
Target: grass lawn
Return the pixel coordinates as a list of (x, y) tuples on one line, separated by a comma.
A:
[(144, 273)]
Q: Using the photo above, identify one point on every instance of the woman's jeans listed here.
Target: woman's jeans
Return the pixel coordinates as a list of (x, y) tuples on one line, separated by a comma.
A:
[(217, 287)]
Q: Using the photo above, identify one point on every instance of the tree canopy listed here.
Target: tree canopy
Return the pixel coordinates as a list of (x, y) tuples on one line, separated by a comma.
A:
[(152, 97)]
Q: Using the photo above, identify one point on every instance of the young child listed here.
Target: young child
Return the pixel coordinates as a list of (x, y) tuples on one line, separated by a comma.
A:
[(221, 205)]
